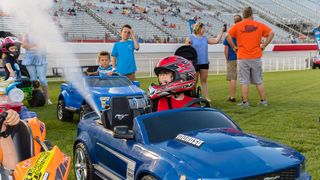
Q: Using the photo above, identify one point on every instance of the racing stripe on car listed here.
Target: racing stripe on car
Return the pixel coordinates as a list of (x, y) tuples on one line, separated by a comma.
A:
[(131, 165)]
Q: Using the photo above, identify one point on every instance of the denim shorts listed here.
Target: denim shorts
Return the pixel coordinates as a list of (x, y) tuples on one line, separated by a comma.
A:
[(38, 71)]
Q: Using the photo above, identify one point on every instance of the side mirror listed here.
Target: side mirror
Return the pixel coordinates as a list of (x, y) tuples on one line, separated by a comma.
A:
[(123, 132), (136, 83)]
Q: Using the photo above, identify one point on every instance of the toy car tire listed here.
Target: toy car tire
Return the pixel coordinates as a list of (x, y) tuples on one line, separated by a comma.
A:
[(83, 168), (62, 113), (148, 177)]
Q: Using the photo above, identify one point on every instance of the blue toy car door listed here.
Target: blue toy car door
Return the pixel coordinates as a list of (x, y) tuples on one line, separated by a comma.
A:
[(116, 155)]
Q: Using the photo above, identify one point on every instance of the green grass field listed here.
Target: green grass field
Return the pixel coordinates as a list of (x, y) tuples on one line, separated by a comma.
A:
[(292, 117)]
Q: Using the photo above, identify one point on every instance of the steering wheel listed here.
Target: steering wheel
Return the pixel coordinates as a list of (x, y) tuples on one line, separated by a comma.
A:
[(198, 101), (9, 129), (115, 74)]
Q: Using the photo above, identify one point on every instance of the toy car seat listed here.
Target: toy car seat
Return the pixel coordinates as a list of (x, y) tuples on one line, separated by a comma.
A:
[(188, 52), (23, 141), (120, 113)]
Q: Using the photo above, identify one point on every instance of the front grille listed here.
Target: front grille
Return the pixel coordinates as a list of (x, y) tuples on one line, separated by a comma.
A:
[(288, 174), (135, 102)]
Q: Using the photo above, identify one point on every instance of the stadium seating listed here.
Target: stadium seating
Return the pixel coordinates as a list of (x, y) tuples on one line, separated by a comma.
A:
[(8, 24), (164, 20), (140, 25)]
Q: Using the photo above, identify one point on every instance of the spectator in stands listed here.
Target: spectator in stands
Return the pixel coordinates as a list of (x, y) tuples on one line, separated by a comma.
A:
[(55, 13), (36, 63), (109, 11), (316, 32), (316, 29), (192, 22), (293, 39), (200, 43), (104, 68), (231, 58), (178, 10), (123, 53), (248, 34)]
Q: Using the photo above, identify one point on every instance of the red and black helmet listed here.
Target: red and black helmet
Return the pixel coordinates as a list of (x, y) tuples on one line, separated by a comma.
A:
[(7, 42), (183, 76)]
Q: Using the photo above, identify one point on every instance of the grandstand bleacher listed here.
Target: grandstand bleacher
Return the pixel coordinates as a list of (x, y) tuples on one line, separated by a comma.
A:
[(167, 20)]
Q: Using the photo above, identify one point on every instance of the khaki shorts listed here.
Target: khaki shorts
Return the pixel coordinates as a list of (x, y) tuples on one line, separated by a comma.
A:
[(250, 71), (232, 70)]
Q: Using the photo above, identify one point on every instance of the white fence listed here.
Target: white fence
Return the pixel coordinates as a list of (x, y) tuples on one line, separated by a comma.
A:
[(272, 62), (218, 65)]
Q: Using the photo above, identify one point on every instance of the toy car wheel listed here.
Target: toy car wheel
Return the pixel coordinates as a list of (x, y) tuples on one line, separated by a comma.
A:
[(84, 109), (148, 177), (83, 168), (62, 113)]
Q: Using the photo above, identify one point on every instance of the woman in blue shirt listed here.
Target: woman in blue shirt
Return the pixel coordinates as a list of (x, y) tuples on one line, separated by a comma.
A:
[(36, 63), (200, 43)]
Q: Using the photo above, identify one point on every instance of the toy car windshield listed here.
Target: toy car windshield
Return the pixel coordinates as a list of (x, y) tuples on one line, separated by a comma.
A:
[(178, 122), (108, 82)]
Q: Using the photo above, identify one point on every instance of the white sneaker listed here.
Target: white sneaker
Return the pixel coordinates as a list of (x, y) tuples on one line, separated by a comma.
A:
[(49, 102), (244, 104), (263, 103)]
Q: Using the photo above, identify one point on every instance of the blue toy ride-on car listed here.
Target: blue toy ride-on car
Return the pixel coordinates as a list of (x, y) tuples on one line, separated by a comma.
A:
[(187, 143), (101, 90)]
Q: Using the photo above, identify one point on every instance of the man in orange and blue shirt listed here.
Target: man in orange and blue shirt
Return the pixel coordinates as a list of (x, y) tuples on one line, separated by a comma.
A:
[(248, 34)]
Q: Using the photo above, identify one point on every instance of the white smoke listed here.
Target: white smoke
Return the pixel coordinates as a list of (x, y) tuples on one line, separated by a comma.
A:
[(34, 14)]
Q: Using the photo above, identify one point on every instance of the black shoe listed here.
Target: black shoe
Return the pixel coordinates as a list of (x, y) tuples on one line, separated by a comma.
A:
[(231, 99)]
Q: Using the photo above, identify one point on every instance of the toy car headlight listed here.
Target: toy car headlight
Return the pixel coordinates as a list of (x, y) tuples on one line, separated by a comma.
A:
[(103, 101), (16, 95)]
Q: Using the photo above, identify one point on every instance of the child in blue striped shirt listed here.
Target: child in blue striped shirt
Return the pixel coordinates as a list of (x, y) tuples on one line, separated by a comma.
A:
[(104, 68)]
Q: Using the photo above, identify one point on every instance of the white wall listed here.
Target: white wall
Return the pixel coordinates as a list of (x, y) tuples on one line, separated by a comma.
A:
[(88, 48)]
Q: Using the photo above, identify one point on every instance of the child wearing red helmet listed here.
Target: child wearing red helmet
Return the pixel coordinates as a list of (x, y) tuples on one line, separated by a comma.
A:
[(176, 76)]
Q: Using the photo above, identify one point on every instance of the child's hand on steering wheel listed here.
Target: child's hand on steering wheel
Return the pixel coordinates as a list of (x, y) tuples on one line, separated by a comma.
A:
[(12, 119)]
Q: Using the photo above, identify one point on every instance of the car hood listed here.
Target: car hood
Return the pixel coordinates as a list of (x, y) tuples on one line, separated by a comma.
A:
[(229, 153), (123, 91)]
